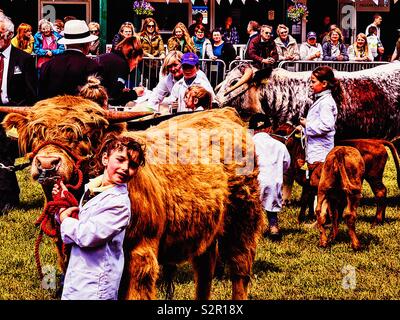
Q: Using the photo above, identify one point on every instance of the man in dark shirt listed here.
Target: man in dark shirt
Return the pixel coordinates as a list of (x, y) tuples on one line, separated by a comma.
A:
[(262, 49), (66, 73)]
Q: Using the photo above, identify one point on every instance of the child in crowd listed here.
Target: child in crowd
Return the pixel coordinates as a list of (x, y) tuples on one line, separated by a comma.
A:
[(198, 98), (273, 161), (97, 259)]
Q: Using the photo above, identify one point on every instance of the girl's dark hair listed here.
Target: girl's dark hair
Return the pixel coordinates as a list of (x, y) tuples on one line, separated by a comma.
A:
[(325, 73), (113, 142)]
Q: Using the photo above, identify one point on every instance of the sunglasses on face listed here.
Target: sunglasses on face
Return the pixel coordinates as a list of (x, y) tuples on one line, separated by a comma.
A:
[(150, 26), (266, 32), (94, 31)]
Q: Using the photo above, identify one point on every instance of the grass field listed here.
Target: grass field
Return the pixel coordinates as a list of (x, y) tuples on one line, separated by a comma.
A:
[(295, 268)]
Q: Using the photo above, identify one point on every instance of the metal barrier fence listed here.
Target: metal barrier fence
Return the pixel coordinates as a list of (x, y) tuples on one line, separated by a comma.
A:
[(349, 66), (240, 48), (235, 63), (148, 72)]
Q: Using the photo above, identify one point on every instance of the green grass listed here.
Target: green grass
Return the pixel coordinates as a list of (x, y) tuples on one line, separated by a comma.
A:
[(295, 268)]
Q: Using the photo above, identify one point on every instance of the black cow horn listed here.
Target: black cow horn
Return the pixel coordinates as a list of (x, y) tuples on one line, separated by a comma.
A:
[(21, 110), (247, 75), (122, 116)]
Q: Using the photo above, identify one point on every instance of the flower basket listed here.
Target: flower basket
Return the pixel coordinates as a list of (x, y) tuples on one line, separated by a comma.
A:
[(143, 8), (297, 12)]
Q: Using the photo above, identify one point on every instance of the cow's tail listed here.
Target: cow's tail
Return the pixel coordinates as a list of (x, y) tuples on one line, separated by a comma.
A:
[(347, 186), (395, 158)]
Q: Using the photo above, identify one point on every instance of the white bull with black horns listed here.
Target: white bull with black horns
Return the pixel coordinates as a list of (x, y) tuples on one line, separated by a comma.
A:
[(370, 106)]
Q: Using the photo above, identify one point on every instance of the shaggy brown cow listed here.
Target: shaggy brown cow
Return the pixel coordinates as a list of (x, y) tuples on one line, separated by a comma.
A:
[(374, 155), (199, 184), (340, 187)]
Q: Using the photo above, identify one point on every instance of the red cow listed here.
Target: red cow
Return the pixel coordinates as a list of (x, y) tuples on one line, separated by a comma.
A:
[(339, 189)]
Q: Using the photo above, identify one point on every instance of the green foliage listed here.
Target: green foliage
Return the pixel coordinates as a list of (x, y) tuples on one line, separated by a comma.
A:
[(295, 268)]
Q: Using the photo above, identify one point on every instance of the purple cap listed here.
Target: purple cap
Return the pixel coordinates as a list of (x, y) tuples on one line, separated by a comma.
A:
[(190, 58), (311, 35)]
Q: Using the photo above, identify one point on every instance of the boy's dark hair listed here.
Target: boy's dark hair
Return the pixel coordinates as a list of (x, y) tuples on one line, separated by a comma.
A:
[(112, 142), (259, 121)]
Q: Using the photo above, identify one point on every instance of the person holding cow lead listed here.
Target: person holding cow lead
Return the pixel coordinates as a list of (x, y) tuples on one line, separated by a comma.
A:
[(319, 126), (97, 259), (273, 161)]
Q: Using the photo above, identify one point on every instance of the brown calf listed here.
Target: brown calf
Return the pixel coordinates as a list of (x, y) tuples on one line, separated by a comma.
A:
[(339, 189), (374, 154)]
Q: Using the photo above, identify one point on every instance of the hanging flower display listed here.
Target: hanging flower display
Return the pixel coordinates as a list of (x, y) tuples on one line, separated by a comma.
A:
[(297, 11), (143, 8)]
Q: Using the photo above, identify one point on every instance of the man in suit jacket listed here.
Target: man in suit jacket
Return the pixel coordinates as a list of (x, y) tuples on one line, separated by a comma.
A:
[(17, 87), (66, 73), (17, 70)]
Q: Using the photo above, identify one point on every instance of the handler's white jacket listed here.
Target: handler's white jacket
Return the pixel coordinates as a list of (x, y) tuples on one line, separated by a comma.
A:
[(273, 161), (97, 259), (320, 127)]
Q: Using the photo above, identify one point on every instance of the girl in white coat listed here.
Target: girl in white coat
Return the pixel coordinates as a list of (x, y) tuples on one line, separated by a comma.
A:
[(97, 259), (319, 126)]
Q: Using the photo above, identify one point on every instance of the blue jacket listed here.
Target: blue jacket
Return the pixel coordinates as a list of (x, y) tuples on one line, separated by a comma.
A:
[(97, 259), (327, 50), (38, 44)]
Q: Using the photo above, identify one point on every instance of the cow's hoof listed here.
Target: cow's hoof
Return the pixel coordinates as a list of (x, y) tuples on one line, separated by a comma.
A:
[(356, 247)]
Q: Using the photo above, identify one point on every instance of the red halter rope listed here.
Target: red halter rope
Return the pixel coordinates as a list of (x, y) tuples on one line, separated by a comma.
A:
[(53, 207)]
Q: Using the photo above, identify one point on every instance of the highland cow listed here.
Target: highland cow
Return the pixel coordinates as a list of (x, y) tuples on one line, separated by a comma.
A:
[(198, 189)]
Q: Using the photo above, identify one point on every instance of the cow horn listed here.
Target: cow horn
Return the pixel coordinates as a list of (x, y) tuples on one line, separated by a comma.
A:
[(122, 116), (247, 75), (21, 110)]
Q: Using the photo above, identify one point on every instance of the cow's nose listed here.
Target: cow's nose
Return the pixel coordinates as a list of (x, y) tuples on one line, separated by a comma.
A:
[(48, 162)]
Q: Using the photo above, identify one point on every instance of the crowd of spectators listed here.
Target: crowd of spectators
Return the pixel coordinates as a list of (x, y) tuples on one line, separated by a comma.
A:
[(61, 69)]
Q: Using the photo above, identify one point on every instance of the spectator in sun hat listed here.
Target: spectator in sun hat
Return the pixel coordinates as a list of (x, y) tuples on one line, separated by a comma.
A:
[(191, 76), (67, 72), (311, 50)]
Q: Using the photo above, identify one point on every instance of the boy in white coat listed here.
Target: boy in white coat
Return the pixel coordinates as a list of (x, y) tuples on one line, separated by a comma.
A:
[(97, 259), (273, 160)]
